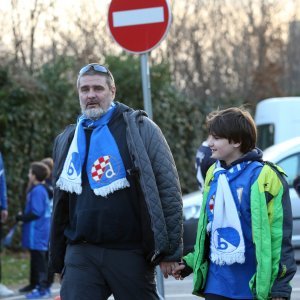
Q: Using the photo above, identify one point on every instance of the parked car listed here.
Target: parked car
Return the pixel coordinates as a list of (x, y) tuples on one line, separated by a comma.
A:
[(192, 205), (191, 211), (287, 156)]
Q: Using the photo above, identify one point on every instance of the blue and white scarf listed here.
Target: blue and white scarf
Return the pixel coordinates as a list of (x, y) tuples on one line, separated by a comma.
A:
[(227, 242), (105, 169)]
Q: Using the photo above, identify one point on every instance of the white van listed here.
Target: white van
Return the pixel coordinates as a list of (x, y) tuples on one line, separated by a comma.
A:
[(277, 120)]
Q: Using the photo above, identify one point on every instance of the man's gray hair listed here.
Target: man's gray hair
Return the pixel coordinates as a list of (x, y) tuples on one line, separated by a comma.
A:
[(109, 79)]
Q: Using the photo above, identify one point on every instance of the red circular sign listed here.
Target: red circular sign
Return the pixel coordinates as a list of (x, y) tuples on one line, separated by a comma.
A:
[(139, 26)]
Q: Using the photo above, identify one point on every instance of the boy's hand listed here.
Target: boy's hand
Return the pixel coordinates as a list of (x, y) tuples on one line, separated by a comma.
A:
[(177, 271)]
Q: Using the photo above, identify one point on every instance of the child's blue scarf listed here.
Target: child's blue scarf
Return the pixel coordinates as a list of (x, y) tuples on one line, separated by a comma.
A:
[(104, 168), (227, 242)]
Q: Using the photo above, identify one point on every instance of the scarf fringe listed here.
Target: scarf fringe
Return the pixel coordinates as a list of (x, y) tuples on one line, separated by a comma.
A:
[(227, 258), (208, 227), (112, 187), (68, 186)]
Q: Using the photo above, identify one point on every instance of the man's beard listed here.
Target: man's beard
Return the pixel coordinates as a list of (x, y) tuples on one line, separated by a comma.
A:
[(93, 113)]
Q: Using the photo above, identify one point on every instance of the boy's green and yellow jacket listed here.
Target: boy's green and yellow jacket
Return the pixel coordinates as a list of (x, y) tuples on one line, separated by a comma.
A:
[(271, 219)]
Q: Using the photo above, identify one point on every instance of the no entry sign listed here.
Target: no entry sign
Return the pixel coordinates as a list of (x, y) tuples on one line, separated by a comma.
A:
[(139, 26)]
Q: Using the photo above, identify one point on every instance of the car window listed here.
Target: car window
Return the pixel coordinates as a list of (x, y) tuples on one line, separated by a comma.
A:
[(291, 166), (265, 136)]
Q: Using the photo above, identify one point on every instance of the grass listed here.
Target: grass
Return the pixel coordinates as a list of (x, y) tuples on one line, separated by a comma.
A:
[(15, 268)]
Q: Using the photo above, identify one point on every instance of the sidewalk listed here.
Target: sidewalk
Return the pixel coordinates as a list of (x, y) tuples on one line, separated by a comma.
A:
[(54, 292)]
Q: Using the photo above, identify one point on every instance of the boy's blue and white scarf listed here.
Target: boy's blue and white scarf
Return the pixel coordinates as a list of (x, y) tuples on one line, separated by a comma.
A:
[(104, 167), (227, 242)]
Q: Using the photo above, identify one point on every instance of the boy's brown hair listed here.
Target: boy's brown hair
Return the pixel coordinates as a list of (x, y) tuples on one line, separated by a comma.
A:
[(40, 170), (234, 124)]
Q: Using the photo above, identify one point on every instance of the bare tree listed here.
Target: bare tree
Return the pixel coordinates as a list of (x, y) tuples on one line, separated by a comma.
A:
[(24, 33), (292, 80), (220, 52), (225, 52), (43, 31)]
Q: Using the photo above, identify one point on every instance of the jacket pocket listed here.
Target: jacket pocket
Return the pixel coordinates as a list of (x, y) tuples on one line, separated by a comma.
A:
[(200, 277)]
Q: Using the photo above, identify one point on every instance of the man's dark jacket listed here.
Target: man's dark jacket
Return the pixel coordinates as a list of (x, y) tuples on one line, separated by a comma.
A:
[(159, 183)]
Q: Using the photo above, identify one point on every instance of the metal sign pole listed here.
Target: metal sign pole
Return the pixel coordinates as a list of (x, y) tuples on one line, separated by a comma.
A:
[(146, 84), (160, 283), (145, 71)]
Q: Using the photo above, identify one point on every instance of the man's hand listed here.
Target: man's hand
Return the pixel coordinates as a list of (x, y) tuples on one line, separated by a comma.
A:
[(168, 267)]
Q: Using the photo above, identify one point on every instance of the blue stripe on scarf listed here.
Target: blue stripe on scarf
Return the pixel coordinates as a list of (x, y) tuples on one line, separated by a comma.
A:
[(105, 169)]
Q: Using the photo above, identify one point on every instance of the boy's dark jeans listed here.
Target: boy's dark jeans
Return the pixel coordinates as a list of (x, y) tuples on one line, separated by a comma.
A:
[(38, 269)]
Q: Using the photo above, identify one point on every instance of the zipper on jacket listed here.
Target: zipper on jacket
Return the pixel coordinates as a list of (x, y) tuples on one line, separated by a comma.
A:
[(156, 253)]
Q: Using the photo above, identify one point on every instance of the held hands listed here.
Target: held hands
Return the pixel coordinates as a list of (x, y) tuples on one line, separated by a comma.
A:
[(167, 267), (172, 268), (177, 271)]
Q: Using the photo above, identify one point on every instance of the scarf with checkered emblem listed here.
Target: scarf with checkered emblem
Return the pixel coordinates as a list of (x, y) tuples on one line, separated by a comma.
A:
[(105, 169)]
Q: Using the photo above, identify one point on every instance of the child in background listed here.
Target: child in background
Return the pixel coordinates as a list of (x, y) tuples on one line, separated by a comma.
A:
[(36, 229), (48, 184), (243, 248), (48, 161)]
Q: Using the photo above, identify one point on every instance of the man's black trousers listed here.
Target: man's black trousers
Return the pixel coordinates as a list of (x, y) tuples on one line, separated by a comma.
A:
[(93, 272)]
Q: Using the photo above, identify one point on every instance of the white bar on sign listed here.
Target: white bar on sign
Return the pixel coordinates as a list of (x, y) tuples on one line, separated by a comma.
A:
[(138, 16)]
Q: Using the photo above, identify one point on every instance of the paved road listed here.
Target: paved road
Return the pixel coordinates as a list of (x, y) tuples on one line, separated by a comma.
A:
[(181, 289)]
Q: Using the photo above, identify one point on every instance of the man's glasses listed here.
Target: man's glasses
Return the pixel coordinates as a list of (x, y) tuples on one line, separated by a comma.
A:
[(97, 68)]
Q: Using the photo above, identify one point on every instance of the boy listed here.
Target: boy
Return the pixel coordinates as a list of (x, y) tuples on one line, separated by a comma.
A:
[(36, 229), (243, 248)]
